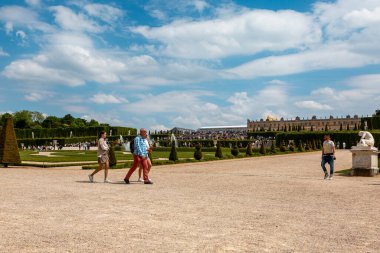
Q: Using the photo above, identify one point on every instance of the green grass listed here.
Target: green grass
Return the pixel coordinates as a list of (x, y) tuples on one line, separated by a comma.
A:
[(89, 159)]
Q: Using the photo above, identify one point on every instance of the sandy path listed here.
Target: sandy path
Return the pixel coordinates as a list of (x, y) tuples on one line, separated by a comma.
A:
[(265, 204)]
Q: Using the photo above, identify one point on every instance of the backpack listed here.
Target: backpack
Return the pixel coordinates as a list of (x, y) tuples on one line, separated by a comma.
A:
[(132, 145)]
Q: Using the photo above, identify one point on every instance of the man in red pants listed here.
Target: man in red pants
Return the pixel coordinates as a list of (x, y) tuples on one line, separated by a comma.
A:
[(140, 155)]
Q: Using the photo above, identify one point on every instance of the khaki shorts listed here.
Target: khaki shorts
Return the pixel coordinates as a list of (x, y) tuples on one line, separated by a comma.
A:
[(103, 159)]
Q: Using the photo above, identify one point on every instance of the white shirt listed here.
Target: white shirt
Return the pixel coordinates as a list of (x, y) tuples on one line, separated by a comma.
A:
[(328, 147)]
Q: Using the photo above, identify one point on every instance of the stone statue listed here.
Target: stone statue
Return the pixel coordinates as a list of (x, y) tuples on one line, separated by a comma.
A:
[(366, 139)]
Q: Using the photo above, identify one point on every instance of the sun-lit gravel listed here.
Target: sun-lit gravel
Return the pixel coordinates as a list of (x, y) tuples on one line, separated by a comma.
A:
[(265, 204)]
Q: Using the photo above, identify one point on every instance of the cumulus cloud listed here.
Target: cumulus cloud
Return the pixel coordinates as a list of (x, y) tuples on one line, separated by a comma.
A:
[(312, 105), (33, 97), (107, 13), (107, 99), (69, 20), (15, 16), (245, 33)]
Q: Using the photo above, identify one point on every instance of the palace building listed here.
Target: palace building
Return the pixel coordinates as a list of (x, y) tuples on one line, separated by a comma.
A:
[(313, 124)]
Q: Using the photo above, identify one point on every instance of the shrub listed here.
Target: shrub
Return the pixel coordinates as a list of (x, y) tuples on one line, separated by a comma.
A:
[(249, 151), (173, 153), (8, 144), (273, 148), (218, 152), (112, 156), (235, 150), (262, 148), (300, 147), (198, 152), (291, 148)]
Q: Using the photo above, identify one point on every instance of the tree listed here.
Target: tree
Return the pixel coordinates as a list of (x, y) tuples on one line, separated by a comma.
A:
[(249, 151), (23, 119), (356, 127), (273, 147), (326, 127), (198, 152), (348, 127), (173, 153), (262, 148), (300, 146), (218, 152), (341, 127), (51, 122), (235, 150), (112, 156), (8, 144)]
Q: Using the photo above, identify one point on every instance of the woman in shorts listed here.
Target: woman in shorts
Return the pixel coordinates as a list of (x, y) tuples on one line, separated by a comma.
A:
[(103, 158)]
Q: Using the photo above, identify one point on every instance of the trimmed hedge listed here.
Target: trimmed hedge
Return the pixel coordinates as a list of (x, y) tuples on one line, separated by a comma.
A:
[(49, 133)]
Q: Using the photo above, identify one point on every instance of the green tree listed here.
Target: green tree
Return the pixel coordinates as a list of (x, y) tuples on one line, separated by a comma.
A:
[(23, 119), (198, 152), (9, 153), (348, 127), (356, 127), (273, 147), (300, 146), (112, 156), (51, 122), (235, 150), (262, 148), (249, 151), (173, 153), (218, 152), (341, 127)]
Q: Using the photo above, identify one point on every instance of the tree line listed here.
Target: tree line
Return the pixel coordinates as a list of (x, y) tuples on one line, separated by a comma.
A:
[(35, 120)]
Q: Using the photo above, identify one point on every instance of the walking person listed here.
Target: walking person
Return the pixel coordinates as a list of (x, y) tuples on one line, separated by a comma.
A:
[(328, 156), (103, 158), (149, 160), (140, 155)]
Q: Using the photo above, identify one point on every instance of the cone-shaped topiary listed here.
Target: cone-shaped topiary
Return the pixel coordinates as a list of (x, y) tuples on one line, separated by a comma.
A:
[(235, 150), (300, 147), (112, 156), (313, 145), (249, 151), (218, 152), (262, 148), (8, 144), (173, 153), (282, 146), (198, 152), (273, 147), (319, 144)]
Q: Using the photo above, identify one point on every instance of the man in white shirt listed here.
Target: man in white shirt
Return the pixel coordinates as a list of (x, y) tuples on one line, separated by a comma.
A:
[(328, 156)]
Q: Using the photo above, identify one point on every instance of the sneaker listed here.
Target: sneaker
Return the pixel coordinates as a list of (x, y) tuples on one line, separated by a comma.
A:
[(140, 180), (91, 177), (326, 176), (148, 182), (126, 181), (331, 177), (107, 181)]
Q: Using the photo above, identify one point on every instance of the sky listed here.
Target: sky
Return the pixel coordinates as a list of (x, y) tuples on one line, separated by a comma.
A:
[(161, 64)]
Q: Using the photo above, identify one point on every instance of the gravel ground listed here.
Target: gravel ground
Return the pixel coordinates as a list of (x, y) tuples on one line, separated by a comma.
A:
[(264, 204)]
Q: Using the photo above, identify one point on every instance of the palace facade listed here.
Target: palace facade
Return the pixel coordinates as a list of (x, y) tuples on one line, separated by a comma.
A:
[(315, 124)]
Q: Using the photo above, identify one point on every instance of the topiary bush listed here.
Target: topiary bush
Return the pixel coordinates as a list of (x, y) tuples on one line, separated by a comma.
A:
[(249, 151), (198, 152), (218, 152), (173, 153), (300, 147), (272, 148), (235, 150), (8, 144), (112, 156), (291, 148), (262, 148)]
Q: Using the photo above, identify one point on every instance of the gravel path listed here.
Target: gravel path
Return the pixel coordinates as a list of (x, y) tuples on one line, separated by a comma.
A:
[(264, 204)]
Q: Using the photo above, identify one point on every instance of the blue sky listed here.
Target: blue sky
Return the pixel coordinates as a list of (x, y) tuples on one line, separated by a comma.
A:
[(190, 63)]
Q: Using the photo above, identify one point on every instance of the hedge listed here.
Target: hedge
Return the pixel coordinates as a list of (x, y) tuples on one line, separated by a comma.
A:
[(55, 133)]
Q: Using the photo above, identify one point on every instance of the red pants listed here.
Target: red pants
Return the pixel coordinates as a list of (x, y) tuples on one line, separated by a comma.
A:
[(136, 160)]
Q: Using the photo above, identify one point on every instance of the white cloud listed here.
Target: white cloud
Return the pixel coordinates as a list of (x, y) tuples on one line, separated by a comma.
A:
[(104, 12), (71, 21), (365, 82), (242, 34), (15, 16), (22, 36), (107, 99), (76, 109), (2, 52), (200, 5), (33, 97), (312, 105)]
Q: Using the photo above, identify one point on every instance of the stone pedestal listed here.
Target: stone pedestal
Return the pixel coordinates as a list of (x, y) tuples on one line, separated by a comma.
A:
[(364, 161)]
